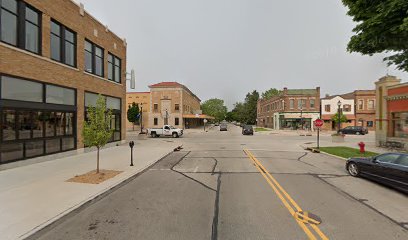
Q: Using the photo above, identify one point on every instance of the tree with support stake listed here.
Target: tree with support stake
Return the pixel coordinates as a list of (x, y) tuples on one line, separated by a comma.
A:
[(96, 131), (133, 114)]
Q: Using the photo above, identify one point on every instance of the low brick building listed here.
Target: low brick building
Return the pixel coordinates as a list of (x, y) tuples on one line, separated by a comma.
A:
[(391, 111), (291, 109), (173, 103), (55, 59)]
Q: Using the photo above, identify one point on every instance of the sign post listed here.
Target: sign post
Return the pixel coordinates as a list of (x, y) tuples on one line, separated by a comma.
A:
[(205, 122), (318, 124)]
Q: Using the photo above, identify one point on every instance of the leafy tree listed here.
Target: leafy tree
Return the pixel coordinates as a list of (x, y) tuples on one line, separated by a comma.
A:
[(215, 107), (96, 131), (382, 27), (251, 101), (268, 94), (133, 114), (238, 113), (335, 118)]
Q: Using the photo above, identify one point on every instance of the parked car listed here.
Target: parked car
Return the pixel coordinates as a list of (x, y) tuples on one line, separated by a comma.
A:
[(223, 127), (390, 169), (166, 130), (354, 130), (247, 130)]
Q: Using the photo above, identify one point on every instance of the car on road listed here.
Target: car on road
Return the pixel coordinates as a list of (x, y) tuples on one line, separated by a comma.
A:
[(247, 130), (223, 127), (389, 169), (166, 130), (354, 130)]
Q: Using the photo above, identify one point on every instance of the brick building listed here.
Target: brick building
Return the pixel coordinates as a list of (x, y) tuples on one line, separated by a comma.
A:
[(291, 109), (54, 60), (173, 103), (142, 99), (391, 111), (357, 106)]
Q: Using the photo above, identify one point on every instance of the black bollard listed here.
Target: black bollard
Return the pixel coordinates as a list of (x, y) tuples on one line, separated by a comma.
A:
[(131, 145)]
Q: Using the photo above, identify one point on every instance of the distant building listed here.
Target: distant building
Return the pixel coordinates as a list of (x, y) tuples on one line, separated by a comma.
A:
[(173, 103), (292, 109), (142, 99), (391, 111), (357, 106)]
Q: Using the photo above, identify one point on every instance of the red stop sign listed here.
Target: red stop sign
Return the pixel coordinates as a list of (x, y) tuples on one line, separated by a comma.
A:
[(318, 123)]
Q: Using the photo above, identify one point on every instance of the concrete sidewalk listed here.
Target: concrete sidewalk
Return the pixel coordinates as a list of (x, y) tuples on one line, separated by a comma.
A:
[(31, 197)]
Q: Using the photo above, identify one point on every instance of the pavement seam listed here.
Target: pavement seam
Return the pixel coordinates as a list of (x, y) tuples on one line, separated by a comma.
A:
[(214, 228), (60, 218), (361, 201)]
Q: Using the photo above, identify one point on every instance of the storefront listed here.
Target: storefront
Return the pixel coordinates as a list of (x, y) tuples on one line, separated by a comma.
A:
[(294, 121), (36, 119)]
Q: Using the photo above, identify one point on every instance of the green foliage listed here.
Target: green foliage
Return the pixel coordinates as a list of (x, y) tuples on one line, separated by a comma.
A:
[(246, 112), (335, 118), (133, 113), (382, 26), (273, 92), (215, 107), (96, 131)]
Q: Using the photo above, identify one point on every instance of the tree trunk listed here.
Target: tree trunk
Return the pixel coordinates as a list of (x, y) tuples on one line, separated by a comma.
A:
[(97, 161)]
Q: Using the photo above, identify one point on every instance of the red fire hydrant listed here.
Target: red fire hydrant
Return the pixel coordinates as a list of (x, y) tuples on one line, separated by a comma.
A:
[(362, 147)]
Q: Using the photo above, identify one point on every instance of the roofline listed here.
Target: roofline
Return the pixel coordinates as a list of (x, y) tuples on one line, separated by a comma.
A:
[(136, 92), (398, 85), (180, 86)]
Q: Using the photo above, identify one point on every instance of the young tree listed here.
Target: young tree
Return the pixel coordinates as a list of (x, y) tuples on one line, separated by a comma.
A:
[(133, 114), (215, 107), (251, 102), (335, 118), (96, 131), (382, 26)]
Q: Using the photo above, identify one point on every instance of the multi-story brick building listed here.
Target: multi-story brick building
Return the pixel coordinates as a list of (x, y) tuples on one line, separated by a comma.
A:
[(391, 111), (357, 106), (291, 109), (173, 103), (142, 99), (54, 60)]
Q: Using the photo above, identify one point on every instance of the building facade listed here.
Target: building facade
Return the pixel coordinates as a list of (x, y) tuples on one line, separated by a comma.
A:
[(291, 109), (391, 111), (330, 107), (142, 99), (174, 104), (55, 59), (365, 108)]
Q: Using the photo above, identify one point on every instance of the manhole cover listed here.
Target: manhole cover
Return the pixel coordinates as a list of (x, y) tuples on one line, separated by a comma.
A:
[(308, 217)]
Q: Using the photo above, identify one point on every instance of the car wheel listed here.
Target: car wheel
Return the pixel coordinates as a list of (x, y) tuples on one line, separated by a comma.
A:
[(353, 169), (358, 133), (154, 135), (175, 135)]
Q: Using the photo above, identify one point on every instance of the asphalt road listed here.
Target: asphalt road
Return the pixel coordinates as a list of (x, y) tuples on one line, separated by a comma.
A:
[(212, 189)]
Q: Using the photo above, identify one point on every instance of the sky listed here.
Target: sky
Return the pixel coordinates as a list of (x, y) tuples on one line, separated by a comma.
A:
[(227, 48)]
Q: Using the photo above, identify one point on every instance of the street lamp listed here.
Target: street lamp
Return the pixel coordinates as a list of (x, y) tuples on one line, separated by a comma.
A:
[(301, 113), (141, 117), (338, 115)]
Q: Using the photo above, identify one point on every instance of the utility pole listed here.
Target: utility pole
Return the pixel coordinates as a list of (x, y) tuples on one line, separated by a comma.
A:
[(338, 116), (141, 117)]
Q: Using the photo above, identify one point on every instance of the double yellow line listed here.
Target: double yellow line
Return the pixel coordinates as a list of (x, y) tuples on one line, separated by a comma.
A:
[(287, 200)]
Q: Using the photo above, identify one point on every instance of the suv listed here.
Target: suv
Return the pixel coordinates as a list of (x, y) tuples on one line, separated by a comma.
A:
[(247, 130), (354, 130)]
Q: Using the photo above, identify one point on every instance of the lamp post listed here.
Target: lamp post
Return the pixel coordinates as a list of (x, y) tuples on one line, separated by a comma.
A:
[(141, 117), (338, 115), (301, 113)]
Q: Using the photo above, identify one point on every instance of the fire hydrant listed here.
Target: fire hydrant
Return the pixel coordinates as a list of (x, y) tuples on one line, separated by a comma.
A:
[(362, 147)]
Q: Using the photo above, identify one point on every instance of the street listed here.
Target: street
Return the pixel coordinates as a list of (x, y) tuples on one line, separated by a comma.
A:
[(223, 185)]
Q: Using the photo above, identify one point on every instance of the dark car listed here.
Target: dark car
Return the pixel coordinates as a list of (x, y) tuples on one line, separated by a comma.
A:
[(247, 130), (223, 127), (390, 169), (354, 130)]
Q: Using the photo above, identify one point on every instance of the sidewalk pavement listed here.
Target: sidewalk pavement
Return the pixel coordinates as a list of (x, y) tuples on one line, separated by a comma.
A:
[(33, 196)]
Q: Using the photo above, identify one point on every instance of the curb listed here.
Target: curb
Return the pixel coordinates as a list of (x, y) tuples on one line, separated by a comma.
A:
[(331, 155), (49, 224)]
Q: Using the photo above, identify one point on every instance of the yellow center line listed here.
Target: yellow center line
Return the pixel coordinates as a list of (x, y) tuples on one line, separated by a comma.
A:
[(281, 193)]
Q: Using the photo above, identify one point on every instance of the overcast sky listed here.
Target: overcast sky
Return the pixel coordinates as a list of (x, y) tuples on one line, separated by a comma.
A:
[(226, 48)]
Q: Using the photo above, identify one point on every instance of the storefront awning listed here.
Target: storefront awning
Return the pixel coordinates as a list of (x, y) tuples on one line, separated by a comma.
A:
[(197, 116)]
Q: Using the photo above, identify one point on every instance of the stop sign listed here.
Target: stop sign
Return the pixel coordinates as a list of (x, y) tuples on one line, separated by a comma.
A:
[(318, 123)]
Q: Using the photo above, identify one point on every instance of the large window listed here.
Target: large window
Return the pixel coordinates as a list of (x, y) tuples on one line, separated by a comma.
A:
[(371, 104), (60, 95), (20, 25), (400, 125), (327, 108), (360, 104), (93, 58), (19, 89), (292, 103), (312, 103), (347, 108), (114, 68), (63, 44)]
